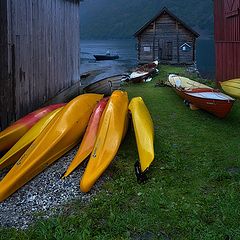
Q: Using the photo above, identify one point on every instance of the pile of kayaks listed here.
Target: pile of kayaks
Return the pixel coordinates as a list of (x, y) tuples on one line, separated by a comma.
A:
[(39, 139)]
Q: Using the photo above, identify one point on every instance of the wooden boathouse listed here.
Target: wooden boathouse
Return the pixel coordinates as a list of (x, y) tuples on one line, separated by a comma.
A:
[(227, 39), (40, 54), (166, 38)]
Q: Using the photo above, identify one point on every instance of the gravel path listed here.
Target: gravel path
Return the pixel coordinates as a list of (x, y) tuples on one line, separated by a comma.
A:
[(46, 193)]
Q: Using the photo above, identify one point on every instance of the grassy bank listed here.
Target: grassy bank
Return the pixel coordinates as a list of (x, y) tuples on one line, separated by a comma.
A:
[(193, 186)]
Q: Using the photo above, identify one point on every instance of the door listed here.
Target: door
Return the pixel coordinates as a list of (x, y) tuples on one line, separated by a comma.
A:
[(165, 51)]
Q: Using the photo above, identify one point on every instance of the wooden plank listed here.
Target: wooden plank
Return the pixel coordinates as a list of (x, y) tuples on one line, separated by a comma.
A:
[(6, 96), (46, 36)]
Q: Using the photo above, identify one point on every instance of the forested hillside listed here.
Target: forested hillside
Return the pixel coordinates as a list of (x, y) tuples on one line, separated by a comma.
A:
[(122, 18)]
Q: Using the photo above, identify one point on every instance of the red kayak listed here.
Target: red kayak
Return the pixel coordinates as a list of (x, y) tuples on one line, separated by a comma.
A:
[(89, 138), (13, 133)]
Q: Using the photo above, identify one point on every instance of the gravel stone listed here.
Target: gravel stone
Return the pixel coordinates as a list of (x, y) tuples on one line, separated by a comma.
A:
[(45, 194)]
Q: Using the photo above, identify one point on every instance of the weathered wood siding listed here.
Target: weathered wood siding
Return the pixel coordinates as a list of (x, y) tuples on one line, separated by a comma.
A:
[(45, 52), (227, 39), (6, 85), (164, 37)]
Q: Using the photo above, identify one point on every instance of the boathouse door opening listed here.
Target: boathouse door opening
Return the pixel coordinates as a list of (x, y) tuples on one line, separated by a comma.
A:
[(165, 50)]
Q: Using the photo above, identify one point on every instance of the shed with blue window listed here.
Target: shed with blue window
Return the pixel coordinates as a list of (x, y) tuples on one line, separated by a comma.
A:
[(166, 38)]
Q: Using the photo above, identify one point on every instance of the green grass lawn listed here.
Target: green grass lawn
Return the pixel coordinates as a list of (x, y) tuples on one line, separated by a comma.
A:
[(193, 185)]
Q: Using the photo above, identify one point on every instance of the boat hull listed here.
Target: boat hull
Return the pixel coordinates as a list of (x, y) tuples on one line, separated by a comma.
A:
[(144, 132), (218, 108), (105, 86), (89, 138), (13, 133), (232, 87), (63, 133), (134, 78), (112, 129), (202, 96), (24, 142), (105, 57), (144, 72)]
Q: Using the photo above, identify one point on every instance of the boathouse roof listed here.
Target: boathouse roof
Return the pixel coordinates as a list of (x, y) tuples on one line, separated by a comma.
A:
[(165, 10)]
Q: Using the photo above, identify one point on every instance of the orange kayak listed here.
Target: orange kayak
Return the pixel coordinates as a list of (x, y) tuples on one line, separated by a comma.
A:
[(28, 138), (89, 138), (112, 129), (13, 133), (60, 135)]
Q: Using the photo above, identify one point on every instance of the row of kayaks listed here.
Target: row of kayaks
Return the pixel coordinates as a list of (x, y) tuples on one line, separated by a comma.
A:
[(102, 122)]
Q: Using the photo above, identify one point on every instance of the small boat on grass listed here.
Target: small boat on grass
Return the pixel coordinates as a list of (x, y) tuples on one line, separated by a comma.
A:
[(199, 95), (112, 129), (14, 132), (144, 133), (60, 135), (105, 86), (232, 87), (142, 73)]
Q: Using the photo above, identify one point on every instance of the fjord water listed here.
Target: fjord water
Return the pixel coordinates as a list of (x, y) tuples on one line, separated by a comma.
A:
[(126, 49)]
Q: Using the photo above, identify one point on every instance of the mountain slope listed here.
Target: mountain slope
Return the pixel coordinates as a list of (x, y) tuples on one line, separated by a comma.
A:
[(122, 18)]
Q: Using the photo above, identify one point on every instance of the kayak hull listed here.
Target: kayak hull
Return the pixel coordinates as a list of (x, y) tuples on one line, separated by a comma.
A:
[(60, 135), (144, 132), (112, 129), (232, 87), (24, 143), (13, 133), (89, 138)]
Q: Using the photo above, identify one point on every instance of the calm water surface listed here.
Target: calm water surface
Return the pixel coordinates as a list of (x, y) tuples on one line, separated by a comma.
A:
[(126, 49)]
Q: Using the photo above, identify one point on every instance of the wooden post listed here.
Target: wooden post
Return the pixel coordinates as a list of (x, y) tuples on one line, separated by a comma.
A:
[(178, 60)]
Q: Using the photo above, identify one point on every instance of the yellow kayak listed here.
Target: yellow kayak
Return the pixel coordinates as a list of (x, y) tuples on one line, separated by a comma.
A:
[(144, 132), (111, 131), (10, 135), (89, 138), (232, 87), (61, 134), (22, 145)]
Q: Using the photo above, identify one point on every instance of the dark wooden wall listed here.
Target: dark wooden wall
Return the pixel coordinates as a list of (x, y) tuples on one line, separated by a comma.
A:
[(227, 39), (165, 36), (45, 40), (6, 85)]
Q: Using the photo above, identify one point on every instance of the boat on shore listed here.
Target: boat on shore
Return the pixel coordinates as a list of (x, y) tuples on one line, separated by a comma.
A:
[(201, 96), (89, 137), (112, 129), (144, 134), (232, 87), (105, 86), (61, 134), (28, 138), (10, 135), (142, 73)]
